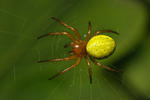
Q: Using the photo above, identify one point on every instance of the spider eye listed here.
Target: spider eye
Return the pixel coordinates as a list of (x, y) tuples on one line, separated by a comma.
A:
[(76, 46), (100, 46)]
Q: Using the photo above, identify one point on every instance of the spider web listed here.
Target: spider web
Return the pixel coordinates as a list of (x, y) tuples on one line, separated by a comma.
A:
[(23, 78)]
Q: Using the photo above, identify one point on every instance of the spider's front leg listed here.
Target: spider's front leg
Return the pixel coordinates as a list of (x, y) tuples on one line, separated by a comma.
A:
[(59, 33), (68, 26)]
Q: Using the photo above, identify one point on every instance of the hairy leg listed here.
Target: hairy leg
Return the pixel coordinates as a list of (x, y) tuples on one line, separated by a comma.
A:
[(59, 59), (59, 33), (89, 32), (89, 69), (105, 31), (67, 69), (103, 66), (69, 27)]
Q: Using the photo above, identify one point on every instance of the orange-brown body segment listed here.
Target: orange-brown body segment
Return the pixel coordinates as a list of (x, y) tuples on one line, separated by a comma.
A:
[(79, 48)]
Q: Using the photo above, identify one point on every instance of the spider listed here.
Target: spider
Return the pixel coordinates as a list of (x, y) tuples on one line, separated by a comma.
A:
[(98, 46)]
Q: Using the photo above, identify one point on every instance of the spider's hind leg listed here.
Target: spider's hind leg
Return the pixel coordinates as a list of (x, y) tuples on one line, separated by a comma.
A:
[(103, 66), (67, 69), (89, 69)]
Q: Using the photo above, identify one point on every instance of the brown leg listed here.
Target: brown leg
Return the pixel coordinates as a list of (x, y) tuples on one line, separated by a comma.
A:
[(69, 27), (59, 59), (89, 32), (101, 65), (67, 69), (89, 69), (105, 31), (59, 33)]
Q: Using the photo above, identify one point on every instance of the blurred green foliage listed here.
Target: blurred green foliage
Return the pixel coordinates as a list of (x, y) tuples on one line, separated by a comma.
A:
[(22, 78)]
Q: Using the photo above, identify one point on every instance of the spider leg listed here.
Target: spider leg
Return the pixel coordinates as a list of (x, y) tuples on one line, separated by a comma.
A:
[(59, 59), (104, 31), (69, 27), (59, 33), (89, 32), (67, 69), (103, 66), (89, 69)]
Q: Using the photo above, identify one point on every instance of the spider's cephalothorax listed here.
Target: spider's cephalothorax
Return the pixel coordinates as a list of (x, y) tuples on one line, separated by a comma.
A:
[(99, 46), (79, 48)]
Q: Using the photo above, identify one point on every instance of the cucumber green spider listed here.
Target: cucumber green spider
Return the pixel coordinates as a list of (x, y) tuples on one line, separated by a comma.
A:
[(99, 46)]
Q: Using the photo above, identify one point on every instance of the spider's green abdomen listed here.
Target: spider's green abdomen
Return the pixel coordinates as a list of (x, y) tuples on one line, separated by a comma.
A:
[(100, 46)]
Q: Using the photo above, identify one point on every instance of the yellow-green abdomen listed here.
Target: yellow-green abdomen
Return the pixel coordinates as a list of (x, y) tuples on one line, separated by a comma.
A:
[(100, 46)]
